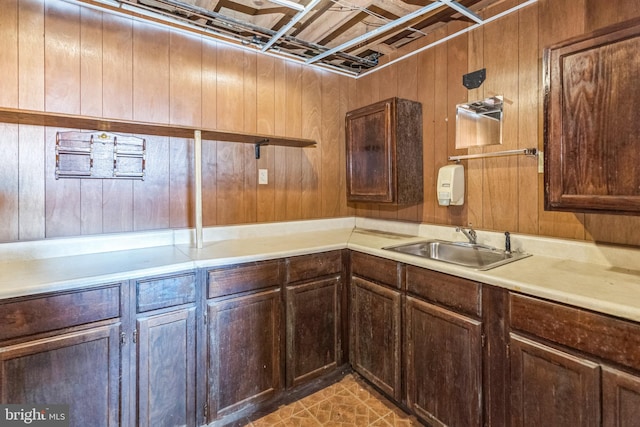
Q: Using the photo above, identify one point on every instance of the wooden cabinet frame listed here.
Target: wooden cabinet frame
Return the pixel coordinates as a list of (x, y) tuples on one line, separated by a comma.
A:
[(591, 126)]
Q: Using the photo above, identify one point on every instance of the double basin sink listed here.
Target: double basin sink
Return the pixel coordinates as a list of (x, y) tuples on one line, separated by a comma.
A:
[(479, 257)]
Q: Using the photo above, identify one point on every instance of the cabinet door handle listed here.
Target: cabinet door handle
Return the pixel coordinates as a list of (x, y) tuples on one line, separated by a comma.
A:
[(135, 336), (123, 338)]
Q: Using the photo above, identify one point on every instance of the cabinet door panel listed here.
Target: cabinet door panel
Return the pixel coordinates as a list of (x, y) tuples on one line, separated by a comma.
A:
[(313, 329), (370, 147), (166, 369), (244, 351), (620, 398), (375, 328), (552, 388), (81, 369), (444, 365)]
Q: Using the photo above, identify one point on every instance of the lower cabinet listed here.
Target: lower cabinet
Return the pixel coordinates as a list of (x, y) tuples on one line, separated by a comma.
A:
[(443, 348), (571, 366), (244, 351), (244, 333), (551, 387), (165, 338), (64, 348), (444, 365), (313, 316), (620, 398), (376, 315)]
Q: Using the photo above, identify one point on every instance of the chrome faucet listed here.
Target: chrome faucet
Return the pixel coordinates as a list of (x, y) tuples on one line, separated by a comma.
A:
[(470, 233)]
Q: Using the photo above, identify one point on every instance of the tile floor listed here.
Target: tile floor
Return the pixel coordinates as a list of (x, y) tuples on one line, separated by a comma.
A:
[(348, 403)]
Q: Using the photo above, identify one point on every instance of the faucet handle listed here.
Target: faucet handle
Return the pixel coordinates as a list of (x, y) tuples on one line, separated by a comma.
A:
[(507, 242)]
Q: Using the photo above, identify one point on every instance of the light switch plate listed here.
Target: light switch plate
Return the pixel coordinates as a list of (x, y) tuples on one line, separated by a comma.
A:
[(263, 176)]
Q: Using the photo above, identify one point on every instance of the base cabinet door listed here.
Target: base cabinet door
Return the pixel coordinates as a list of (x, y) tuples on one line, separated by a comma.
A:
[(375, 334), (80, 369), (620, 398), (444, 365), (166, 368), (552, 388), (313, 329), (244, 340)]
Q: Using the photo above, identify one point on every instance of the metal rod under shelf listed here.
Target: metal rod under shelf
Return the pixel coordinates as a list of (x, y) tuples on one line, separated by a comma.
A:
[(526, 151)]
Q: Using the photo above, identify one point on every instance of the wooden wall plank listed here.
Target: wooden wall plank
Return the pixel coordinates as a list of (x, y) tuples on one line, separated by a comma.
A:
[(457, 66), (332, 183), (151, 206), (31, 165), (185, 79), (293, 156), (441, 116), (500, 193), (209, 101), (250, 192), (230, 116), (151, 67), (311, 114), (181, 183), (186, 98), (426, 95), (62, 71), (117, 102), (265, 124), (91, 105), (9, 54), (31, 54), (529, 73), (474, 168), (62, 213), (9, 183), (280, 165), (62, 94), (117, 67)]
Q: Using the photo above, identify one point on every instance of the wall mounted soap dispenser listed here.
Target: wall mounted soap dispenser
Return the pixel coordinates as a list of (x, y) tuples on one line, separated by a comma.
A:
[(450, 190)]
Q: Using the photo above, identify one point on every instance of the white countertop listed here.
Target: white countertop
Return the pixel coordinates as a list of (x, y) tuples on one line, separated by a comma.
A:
[(600, 278)]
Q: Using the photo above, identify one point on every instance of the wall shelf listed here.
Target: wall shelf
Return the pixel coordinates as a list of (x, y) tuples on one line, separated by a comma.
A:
[(40, 118)]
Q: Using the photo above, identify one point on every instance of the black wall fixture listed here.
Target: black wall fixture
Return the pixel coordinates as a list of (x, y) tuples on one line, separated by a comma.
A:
[(474, 79)]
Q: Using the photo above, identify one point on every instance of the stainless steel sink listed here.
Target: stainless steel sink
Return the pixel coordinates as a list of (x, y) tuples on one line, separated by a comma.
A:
[(475, 256)]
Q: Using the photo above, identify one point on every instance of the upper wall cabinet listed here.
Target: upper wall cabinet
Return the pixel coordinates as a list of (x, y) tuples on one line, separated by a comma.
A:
[(384, 153), (592, 127)]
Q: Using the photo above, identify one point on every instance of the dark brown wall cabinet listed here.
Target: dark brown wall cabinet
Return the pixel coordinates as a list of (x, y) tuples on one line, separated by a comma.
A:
[(592, 131), (384, 153)]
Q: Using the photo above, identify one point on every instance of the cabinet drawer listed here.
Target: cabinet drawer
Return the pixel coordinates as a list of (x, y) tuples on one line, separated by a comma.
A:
[(164, 292), (454, 292), (313, 266), (50, 312), (375, 268), (597, 334), (244, 278)]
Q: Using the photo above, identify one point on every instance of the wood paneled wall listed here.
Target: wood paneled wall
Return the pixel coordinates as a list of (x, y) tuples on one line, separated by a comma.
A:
[(503, 193), (60, 57), (57, 56)]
